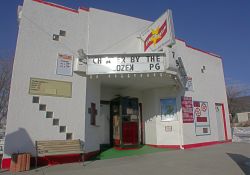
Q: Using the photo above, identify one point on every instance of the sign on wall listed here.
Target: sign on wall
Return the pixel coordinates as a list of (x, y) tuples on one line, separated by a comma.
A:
[(189, 84), (50, 87), (187, 109), (201, 114), (126, 63), (168, 109), (64, 65), (159, 34)]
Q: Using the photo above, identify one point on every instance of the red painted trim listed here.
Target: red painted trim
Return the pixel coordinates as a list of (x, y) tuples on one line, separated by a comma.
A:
[(212, 54), (224, 122), (5, 163), (165, 146), (191, 47), (84, 8), (56, 5), (89, 155), (195, 145), (189, 146), (120, 148), (53, 160), (180, 40)]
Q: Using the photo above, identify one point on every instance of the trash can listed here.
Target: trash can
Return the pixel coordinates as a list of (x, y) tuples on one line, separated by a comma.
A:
[(20, 162)]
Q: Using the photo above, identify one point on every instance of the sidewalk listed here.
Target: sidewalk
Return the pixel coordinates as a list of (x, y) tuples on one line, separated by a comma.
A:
[(228, 159)]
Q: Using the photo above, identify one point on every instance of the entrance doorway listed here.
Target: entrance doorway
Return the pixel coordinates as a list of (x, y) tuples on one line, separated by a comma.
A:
[(125, 122), (105, 120), (221, 122)]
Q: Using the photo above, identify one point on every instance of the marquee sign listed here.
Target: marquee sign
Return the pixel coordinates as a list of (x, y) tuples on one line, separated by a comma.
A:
[(159, 34), (126, 63)]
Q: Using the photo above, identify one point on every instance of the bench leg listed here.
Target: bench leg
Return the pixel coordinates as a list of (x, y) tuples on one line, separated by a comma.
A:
[(82, 158)]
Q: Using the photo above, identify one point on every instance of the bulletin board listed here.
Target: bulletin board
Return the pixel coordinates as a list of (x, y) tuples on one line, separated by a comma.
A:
[(48, 87), (64, 65)]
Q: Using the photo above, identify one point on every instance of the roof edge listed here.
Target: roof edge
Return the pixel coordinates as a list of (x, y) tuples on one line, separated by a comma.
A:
[(200, 50)]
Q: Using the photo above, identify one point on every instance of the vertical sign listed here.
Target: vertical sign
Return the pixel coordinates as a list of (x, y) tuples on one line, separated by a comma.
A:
[(159, 34), (64, 65), (187, 109), (189, 84), (201, 114)]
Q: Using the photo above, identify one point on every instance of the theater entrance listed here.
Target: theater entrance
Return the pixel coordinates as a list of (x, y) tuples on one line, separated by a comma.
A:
[(125, 117)]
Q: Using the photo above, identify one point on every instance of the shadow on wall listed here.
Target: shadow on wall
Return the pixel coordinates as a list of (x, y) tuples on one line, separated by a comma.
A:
[(18, 142), (242, 161)]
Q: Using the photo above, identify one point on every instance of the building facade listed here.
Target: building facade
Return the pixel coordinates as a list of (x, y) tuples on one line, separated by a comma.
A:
[(87, 74)]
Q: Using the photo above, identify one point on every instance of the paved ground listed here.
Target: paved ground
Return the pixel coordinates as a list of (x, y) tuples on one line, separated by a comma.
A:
[(228, 159)]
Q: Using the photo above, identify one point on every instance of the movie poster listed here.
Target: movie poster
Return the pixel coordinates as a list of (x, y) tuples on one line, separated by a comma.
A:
[(168, 109)]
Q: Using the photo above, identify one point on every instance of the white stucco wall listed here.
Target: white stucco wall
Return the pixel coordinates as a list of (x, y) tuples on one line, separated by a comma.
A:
[(208, 86), (36, 56), (114, 33), (155, 132)]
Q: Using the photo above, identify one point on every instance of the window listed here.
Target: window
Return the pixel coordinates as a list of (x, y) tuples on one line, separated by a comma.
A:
[(35, 99), (49, 114), (62, 33), (62, 129), (56, 37), (55, 121), (68, 136), (42, 107)]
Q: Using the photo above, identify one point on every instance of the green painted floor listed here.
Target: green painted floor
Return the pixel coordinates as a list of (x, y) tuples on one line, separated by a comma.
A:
[(113, 153)]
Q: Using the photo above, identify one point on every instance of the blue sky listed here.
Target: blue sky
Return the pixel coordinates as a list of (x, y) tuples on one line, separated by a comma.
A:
[(218, 26)]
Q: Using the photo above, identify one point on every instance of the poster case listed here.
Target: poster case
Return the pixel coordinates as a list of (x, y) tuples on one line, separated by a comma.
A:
[(168, 109)]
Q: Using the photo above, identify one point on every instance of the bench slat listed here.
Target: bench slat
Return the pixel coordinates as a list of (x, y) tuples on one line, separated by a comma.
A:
[(58, 147)]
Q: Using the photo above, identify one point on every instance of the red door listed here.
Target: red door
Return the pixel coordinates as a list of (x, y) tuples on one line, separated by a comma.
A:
[(130, 133)]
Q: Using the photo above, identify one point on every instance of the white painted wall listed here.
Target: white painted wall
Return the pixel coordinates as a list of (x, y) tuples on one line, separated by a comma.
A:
[(155, 128), (114, 33), (93, 133), (208, 86), (36, 56)]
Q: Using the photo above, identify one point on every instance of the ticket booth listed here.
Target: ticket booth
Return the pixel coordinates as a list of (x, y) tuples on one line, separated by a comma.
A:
[(125, 122)]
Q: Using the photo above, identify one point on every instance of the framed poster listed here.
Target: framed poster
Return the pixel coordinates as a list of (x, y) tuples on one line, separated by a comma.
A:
[(64, 65), (168, 109), (201, 115)]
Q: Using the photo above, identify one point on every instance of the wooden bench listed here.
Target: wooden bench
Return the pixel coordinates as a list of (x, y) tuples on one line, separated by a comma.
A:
[(58, 147)]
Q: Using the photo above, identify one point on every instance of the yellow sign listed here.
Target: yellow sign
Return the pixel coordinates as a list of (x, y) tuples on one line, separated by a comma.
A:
[(50, 87)]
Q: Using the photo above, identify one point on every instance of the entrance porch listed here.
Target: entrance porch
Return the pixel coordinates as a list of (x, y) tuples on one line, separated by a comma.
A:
[(139, 120)]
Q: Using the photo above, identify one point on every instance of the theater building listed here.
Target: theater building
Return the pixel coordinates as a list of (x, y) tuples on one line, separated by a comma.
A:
[(107, 78)]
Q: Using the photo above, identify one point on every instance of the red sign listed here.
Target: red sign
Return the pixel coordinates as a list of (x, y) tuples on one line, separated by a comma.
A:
[(155, 36), (187, 109)]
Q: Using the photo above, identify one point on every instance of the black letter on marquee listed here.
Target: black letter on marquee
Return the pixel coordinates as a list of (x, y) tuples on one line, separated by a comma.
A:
[(123, 60), (151, 66)]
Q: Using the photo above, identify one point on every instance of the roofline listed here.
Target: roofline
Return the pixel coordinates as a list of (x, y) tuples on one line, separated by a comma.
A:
[(87, 10), (200, 50), (61, 7)]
